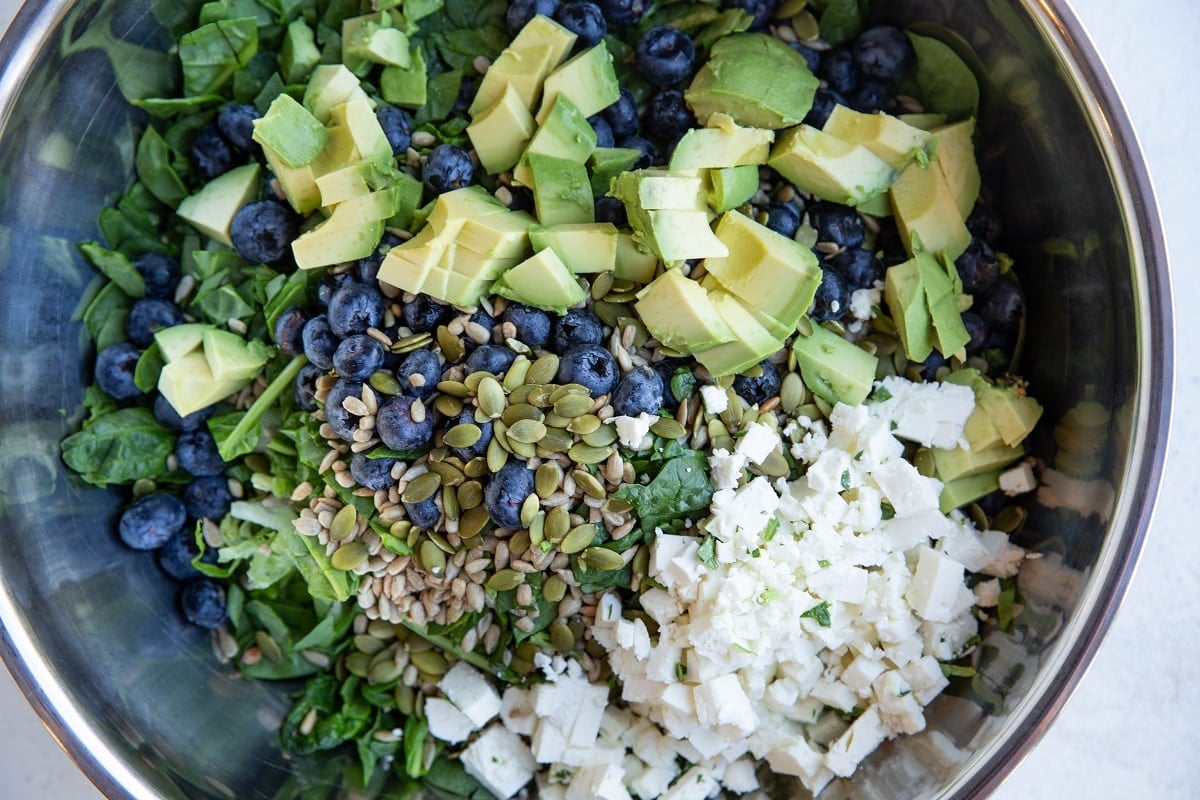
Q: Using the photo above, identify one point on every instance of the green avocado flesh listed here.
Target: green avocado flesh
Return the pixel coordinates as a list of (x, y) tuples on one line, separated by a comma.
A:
[(756, 79)]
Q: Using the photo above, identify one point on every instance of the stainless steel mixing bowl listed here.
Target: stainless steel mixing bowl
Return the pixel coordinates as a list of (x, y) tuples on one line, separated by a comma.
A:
[(138, 699)]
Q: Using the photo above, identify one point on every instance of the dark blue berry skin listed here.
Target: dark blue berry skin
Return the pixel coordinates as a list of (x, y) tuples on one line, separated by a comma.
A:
[(760, 389), (115, 366), (236, 123), (354, 308), (837, 223), (623, 12), (761, 10), (263, 231), (610, 209), (304, 388), (330, 284), (591, 366), (883, 52), (319, 342), (424, 514), (784, 218), (977, 329), (368, 268), (577, 326), (583, 19), (397, 127), (149, 315), (822, 107), (984, 223), (833, 298), (622, 115), (1002, 307), (197, 453), (978, 267), (424, 363), (506, 492), (666, 369), (929, 367), (373, 473), (493, 358), (521, 11), (159, 273), (484, 320), (811, 57), (603, 131), (467, 417), (344, 423), (175, 557), (639, 392), (649, 151), (424, 315), (357, 357), (667, 116), (165, 413), (665, 56), (207, 497), (212, 155), (396, 427), (838, 70), (871, 95), (289, 331), (447, 168), (151, 521), (859, 268), (466, 93), (203, 603), (532, 324)]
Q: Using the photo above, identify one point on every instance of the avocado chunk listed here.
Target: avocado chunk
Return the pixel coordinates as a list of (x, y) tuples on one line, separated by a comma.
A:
[(756, 79), (205, 364), (178, 340), (531, 56), (896, 142), (342, 237), (455, 207), (942, 296), (877, 206), (357, 118), (956, 161), (678, 312), (960, 463), (730, 187), (290, 132), (497, 235), (751, 341), (926, 121), (829, 167), (542, 281), (354, 180), (677, 235), (904, 290), (299, 185), (329, 87), (562, 192), (299, 52), (927, 211), (606, 163), (372, 39), (405, 86), (657, 189), (211, 209), (834, 369), (500, 133), (566, 134), (588, 79), (723, 143), (1010, 413), (960, 492), (633, 264), (585, 248)]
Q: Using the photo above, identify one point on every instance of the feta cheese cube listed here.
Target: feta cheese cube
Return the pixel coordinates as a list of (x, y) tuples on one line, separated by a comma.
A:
[(722, 704), (934, 587), (591, 703), (906, 489), (740, 778), (864, 735), (516, 711), (467, 689), (797, 758), (930, 413), (861, 672), (725, 468), (757, 443), (549, 742), (715, 399), (500, 761), (446, 722), (660, 605), (654, 782), (631, 431), (841, 583), (1018, 480), (695, 784)]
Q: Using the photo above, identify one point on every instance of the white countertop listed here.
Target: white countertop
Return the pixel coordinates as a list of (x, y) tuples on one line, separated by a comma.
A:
[(1130, 729)]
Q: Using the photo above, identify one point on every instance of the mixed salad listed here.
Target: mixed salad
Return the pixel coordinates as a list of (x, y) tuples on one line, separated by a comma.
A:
[(588, 400)]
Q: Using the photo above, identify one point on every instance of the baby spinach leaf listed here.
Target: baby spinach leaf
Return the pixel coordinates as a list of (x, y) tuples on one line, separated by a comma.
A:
[(449, 779), (680, 488), (145, 374), (105, 316), (323, 580), (153, 164), (97, 404), (415, 731), (120, 447), (167, 107), (116, 267), (294, 291), (212, 53), (841, 21), (130, 232), (341, 715), (598, 580), (440, 97), (944, 80), (506, 602)]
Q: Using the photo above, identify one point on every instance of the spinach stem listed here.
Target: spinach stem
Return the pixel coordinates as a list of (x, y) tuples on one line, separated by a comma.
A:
[(261, 404)]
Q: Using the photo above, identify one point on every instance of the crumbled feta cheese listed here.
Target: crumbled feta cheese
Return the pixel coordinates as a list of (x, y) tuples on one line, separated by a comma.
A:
[(722, 704), (864, 735), (934, 590), (471, 693), (715, 399), (930, 413), (739, 777), (725, 468), (516, 711), (446, 722), (695, 784), (1018, 480), (632, 431), (500, 761), (598, 783), (757, 443), (863, 301)]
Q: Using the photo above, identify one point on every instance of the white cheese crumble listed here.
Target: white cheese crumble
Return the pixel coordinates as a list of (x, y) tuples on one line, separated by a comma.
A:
[(930, 413), (632, 431), (864, 301), (715, 399)]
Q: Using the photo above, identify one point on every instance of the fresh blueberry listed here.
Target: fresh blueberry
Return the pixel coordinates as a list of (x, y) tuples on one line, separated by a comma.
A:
[(397, 127), (649, 151), (149, 315), (424, 314), (984, 223), (603, 131), (357, 357), (837, 223), (978, 267), (304, 388), (623, 12), (640, 391), (667, 116), (977, 329), (212, 155), (811, 57), (929, 367), (665, 56), (330, 284), (318, 342), (236, 123), (761, 10), (372, 473), (419, 373), (760, 389), (870, 95), (532, 324), (859, 268), (368, 267), (289, 331), (505, 493), (263, 231), (354, 308), (467, 417), (610, 209), (992, 504), (203, 603), (522, 199), (591, 366), (160, 274), (1002, 307), (493, 358), (583, 19), (424, 514), (151, 521), (823, 104), (784, 218), (838, 70), (447, 168), (521, 11), (196, 451), (466, 93), (397, 427), (883, 52), (577, 326), (344, 423), (207, 497), (666, 369), (165, 413), (115, 366), (622, 115), (175, 557), (832, 299)]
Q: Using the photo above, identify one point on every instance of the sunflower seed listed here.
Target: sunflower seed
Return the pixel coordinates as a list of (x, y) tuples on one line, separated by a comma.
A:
[(578, 538), (269, 647), (505, 580), (584, 424), (385, 383), (490, 396), (543, 370), (421, 488), (554, 589), (343, 523), (463, 435), (472, 522), (433, 560), (452, 347), (668, 428), (558, 523), (583, 453), (601, 437), (448, 405), (526, 431), (349, 556), (591, 486), (602, 558), (547, 479)]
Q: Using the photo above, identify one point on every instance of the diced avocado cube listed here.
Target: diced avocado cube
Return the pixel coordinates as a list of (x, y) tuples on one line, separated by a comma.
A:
[(358, 119), (532, 55), (329, 87), (1014, 415), (459, 205), (676, 235), (758, 80), (829, 167), (960, 463), (959, 493), (342, 184), (497, 235), (730, 187), (562, 192), (980, 431), (879, 206), (926, 209), (541, 281), (188, 385), (231, 359), (344, 236), (750, 345), (177, 341), (773, 326), (479, 267), (723, 143), (956, 161), (678, 312), (299, 52), (290, 132), (834, 369), (211, 209), (566, 134), (585, 248), (904, 290), (942, 299), (633, 264), (405, 86), (656, 189), (607, 163), (299, 185), (588, 79), (371, 38), (926, 122), (896, 142), (500, 133), (407, 265), (373, 206)]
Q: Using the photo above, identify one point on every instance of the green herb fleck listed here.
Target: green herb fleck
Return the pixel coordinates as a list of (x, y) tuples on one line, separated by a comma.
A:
[(820, 613)]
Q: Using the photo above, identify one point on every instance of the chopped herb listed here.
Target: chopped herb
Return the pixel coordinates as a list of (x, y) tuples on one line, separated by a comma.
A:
[(820, 613), (958, 671), (708, 552), (680, 671), (823, 563), (887, 510), (743, 649), (881, 395), (772, 528), (845, 480)]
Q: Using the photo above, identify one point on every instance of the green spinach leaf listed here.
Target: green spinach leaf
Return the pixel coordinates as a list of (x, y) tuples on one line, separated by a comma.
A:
[(120, 447), (341, 715), (680, 488), (105, 316), (944, 80), (153, 164), (116, 267), (145, 374), (820, 613), (841, 21), (212, 53)]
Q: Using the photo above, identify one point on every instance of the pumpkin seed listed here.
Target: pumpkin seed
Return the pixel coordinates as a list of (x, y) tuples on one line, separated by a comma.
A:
[(447, 405), (452, 346), (515, 376), (573, 405), (554, 420), (349, 556), (540, 395), (1010, 519), (590, 484), (806, 26), (526, 431), (384, 672), (430, 662), (554, 589), (521, 666), (421, 487), (414, 536), (523, 449), (368, 644), (440, 541), (537, 529), (543, 370), (617, 298), (269, 647), (449, 473), (584, 424), (809, 410), (601, 437), (578, 538), (774, 465), (568, 389), (463, 435), (556, 440), (358, 664), (381, 630), (505, 580), (454, 388), (343, 524), (602, 284), (472, 380), (470, 494), (473, 522), (529, 507), (562, 638), (923, 461), (558, 523), (450, 502), (385, 383), (406, 699), (602, 558), (519, 347), (547, 479), (587, 454), (519, 411), (410, 343), (497, 456), (668, 428), (616, 505), (824, 406), (490, 396), (518, 545), (433, 560), (476, 467)]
